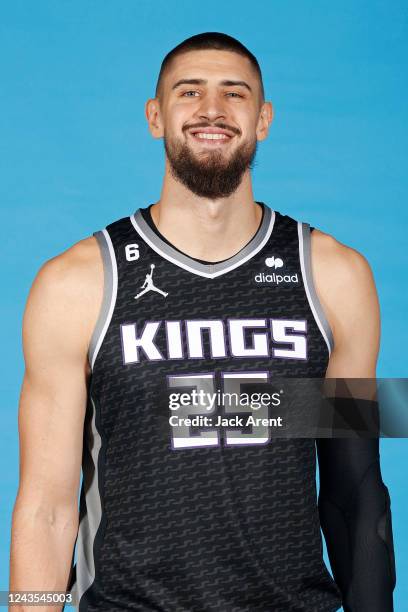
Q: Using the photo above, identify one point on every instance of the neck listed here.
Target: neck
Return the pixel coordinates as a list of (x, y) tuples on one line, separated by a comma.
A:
[(211, 230)]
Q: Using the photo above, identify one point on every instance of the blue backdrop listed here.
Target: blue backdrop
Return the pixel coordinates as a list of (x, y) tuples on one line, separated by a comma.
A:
[(75, 152)]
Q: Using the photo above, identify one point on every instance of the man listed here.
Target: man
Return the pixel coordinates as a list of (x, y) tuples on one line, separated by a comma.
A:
[(202, 288)]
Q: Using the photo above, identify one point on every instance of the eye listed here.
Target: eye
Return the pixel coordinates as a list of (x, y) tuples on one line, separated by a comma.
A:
[(192, 93)]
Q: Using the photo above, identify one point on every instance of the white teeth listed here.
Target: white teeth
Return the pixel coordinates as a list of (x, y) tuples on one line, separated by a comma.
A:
[(207, 136)]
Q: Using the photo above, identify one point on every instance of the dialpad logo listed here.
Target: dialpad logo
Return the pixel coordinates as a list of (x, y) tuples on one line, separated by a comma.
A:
[(272, 277)]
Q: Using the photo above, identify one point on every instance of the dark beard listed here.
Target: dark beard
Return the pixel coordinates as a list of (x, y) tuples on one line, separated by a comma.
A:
[(211, 177)]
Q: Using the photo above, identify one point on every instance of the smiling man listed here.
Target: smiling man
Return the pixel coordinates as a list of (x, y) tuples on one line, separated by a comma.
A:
[(204, 292), (210, 160)]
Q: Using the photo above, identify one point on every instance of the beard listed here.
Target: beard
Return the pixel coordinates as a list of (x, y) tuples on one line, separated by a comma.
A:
[(213, 176)]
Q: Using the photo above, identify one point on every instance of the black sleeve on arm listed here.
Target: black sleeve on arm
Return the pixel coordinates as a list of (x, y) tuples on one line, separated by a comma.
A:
[(355, 515)]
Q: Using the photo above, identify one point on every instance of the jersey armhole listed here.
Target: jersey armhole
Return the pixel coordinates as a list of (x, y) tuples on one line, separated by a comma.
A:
[(110, 288), (316, 307)]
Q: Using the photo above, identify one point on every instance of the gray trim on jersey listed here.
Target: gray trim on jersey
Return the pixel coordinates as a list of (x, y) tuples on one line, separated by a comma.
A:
[(305, 254), (88, 527), (110, 287), (208, 270)]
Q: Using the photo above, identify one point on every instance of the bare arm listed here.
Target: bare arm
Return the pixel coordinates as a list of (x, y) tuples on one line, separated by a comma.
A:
[(354, 503), (345, 284), (60, 313)]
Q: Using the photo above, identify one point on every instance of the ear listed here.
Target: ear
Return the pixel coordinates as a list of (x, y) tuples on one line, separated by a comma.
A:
[(153, 116), (265, 119)]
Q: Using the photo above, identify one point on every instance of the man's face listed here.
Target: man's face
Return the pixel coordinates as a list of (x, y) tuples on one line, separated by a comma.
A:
[(210, 107)]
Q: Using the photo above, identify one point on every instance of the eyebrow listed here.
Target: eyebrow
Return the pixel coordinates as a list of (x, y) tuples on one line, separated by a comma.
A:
[(225, 83)]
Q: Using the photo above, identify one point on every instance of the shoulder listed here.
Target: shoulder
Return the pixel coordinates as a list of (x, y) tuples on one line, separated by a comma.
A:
[(338, 264), (347, 265), (74, 278), (344, 281), (65, 297), (73, 270)]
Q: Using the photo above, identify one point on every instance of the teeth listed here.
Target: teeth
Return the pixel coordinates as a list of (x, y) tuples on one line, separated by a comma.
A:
[(207, 136)]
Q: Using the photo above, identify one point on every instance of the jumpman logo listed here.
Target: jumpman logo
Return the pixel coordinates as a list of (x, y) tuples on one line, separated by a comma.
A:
[(149, 286)]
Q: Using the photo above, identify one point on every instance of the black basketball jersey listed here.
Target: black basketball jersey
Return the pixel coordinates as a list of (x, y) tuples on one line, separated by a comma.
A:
[(200, 519)]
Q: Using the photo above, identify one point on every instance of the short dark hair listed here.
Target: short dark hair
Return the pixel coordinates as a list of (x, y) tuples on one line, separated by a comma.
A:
[(209, 40)]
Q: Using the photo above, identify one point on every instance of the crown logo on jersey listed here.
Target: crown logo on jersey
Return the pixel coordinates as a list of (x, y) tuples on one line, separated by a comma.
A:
[(148, 285)]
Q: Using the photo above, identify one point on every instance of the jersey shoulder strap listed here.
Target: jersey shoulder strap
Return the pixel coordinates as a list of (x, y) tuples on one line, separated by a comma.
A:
[(110, 240), (305, 256)]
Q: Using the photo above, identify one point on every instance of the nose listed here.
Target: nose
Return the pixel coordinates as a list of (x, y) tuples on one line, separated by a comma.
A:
[(211, 108)]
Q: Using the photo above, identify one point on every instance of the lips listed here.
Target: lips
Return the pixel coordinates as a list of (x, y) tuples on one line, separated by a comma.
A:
[(211, 133), (208, 137)]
